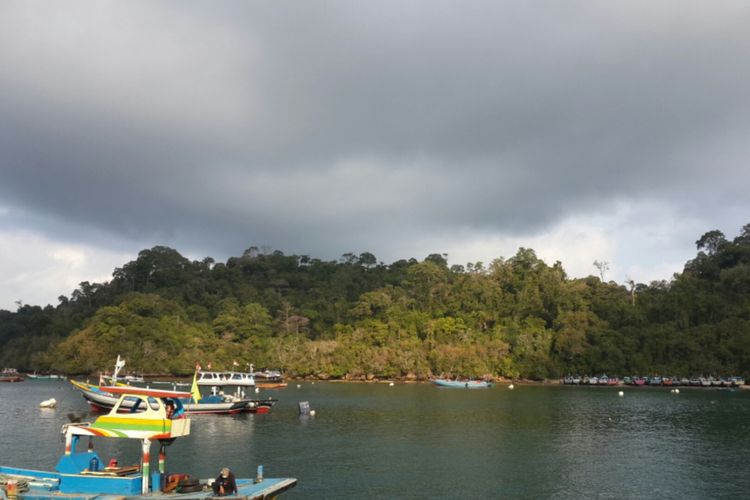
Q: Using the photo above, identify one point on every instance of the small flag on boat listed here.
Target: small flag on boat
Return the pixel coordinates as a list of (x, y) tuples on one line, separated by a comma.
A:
[(194, 391)]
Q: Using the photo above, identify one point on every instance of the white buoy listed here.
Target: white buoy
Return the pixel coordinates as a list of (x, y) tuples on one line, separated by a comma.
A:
[(312, 413), (298, 386), (672, 391), (257, 390), (676, 391), (49, 403), (391, 384), (621, 394), (511, 387)]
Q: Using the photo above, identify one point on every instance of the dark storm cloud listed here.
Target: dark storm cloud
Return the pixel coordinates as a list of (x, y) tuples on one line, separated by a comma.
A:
[(326, 127)]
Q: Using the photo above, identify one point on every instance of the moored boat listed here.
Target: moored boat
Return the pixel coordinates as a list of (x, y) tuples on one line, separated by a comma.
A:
[(11, 375), (219, 379), (268, 379), (462, 384), (79, 476), (101, 399)]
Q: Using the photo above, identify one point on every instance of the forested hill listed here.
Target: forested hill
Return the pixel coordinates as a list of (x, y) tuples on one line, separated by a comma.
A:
[(515, 317)]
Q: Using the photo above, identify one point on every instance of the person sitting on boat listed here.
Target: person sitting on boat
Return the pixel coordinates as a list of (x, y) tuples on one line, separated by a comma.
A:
[(169, 408), (225, 483), (174, 409)]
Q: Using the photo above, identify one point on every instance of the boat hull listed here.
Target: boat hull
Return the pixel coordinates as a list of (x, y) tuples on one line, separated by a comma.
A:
[(47, 486), (462, 384), (101, 400)]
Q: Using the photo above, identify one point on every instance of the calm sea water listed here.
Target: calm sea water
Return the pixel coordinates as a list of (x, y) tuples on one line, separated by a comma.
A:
[(419, 441)]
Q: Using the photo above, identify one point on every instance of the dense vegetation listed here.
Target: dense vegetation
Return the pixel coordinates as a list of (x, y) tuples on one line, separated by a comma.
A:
[(516, 317)]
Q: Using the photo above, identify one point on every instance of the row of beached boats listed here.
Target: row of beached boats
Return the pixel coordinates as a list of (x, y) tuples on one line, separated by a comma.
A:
[(656, 380)]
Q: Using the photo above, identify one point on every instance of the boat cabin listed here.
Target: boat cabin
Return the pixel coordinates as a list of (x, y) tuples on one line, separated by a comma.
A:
[(147, 418), (219, 379)]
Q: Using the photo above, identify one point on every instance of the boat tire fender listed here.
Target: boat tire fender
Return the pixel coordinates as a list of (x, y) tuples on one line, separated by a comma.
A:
[(190, 489)]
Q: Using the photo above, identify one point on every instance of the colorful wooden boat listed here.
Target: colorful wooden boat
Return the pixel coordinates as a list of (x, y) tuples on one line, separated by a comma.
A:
[(78, 476), (101, 398), (462, 384)]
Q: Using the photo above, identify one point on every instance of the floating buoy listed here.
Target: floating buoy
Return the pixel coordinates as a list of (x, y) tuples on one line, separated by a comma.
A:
[(298, 386), (511, 387), (312, 413), (391, 384), (49, 403), (257, 390), (621, 394), (676, 391)]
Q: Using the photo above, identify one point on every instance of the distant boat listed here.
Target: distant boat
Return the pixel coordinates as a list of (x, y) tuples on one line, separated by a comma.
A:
[(218, 379), (462, 384), (269, 379), (10, 375)]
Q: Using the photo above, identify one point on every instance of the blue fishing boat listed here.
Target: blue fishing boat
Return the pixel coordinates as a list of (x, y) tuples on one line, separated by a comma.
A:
[(462, 384), (78, 474)]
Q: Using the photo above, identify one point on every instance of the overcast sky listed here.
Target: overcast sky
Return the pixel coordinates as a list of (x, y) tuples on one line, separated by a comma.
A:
[(586, 130)]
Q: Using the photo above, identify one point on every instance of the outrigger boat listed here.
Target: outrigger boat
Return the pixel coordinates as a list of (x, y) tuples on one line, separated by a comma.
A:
[(462, 384), (78, 477)]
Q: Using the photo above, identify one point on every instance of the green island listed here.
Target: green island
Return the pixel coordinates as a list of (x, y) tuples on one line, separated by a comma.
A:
[(359, 319)]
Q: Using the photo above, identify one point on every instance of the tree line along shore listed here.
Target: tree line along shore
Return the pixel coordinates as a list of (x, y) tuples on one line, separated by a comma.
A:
[(358, 319)]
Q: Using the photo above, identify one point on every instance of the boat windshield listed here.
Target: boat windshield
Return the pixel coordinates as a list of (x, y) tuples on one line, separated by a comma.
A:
[(137, 404)]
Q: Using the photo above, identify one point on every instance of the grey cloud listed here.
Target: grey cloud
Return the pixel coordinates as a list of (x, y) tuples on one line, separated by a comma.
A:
[(324, 126)]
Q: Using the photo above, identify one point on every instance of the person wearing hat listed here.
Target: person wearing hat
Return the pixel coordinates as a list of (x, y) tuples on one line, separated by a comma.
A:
[(225, 483)]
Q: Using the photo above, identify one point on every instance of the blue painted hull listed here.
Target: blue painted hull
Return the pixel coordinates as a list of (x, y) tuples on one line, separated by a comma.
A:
[(40, 485)]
